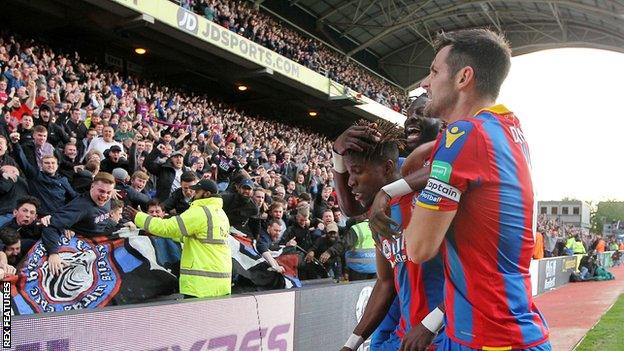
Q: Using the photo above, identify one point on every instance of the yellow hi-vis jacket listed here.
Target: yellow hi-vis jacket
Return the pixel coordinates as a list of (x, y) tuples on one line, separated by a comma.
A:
[(206, 263)]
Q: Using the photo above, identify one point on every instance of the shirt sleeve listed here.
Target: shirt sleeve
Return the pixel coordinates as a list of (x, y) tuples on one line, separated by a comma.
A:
[(60, 221), (456, 164)]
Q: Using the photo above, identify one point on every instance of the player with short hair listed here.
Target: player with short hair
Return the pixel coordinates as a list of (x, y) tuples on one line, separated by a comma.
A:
[(419, 287), (477, 207)]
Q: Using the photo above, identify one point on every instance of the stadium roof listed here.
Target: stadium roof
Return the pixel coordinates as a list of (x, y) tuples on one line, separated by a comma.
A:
[(399, 33)]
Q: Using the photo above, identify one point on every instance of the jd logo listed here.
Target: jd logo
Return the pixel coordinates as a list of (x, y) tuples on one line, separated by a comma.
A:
[(187, 20)]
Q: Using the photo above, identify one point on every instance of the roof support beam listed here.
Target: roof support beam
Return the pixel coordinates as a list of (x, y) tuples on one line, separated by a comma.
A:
[(406, 20), (330, 12), (555, 10)]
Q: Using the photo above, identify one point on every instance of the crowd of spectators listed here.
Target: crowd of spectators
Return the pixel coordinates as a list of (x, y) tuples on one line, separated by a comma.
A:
[(240, 17), (66, 120), (555, 238)]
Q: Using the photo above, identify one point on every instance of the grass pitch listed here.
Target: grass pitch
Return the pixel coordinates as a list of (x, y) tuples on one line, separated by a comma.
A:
[(608, 334)]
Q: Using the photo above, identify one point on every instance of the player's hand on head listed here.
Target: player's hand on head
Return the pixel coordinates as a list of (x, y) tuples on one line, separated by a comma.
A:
[(379, 221), (356, 138), (417, 339)]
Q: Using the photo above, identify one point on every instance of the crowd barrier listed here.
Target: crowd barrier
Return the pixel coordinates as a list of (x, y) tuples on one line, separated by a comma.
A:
[(318, 317), (315, 318)]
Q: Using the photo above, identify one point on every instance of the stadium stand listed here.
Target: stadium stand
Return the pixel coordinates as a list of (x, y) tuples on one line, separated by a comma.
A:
[(93, 119), (240, 17)]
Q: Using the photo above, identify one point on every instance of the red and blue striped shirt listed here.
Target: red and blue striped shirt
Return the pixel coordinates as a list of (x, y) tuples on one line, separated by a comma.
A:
[(419, 286), (481, 168)]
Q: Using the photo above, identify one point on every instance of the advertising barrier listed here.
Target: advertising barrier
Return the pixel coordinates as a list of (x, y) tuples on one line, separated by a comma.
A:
[(326, 316), (312, 318), (554, 272), (246, 322)]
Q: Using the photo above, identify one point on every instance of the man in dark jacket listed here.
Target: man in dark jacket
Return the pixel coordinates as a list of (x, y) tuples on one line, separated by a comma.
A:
[(114, 160), (168, 172), (239, 207), (180, 200), (57, 136), (13, 187), (300, 231), (85, 215), (47, 185), (69, 164)]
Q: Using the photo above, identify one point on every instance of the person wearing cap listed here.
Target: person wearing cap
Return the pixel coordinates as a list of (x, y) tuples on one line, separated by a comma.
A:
[(322, 245), (206, 263), (113, 159), (240, 207), (57, 136), (168, 173)]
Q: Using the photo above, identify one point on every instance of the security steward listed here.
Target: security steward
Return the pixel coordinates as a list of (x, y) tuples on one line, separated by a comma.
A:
[(360, 259), (206, 263)]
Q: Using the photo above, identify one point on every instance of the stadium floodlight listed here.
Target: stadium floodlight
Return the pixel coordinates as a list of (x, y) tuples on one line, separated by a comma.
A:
[(140, 51), (242, 87), (313, 113)]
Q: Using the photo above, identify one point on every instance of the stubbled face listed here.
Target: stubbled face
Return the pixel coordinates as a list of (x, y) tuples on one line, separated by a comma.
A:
[(101, 192), (440, 87), (274, 231), (13, 252), (25, 214), (245, 191), (365, 178), (332, 236)]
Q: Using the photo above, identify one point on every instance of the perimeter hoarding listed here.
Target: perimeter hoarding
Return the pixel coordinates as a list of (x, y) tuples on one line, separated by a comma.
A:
[(249, 322), (326, 316), (555, 272)]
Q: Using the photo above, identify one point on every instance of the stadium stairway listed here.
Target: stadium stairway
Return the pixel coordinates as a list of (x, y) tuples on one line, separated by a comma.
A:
[(572, 310)]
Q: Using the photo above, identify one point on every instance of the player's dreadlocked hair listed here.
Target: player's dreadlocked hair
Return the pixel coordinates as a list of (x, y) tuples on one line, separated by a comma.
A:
[(387, 148)]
